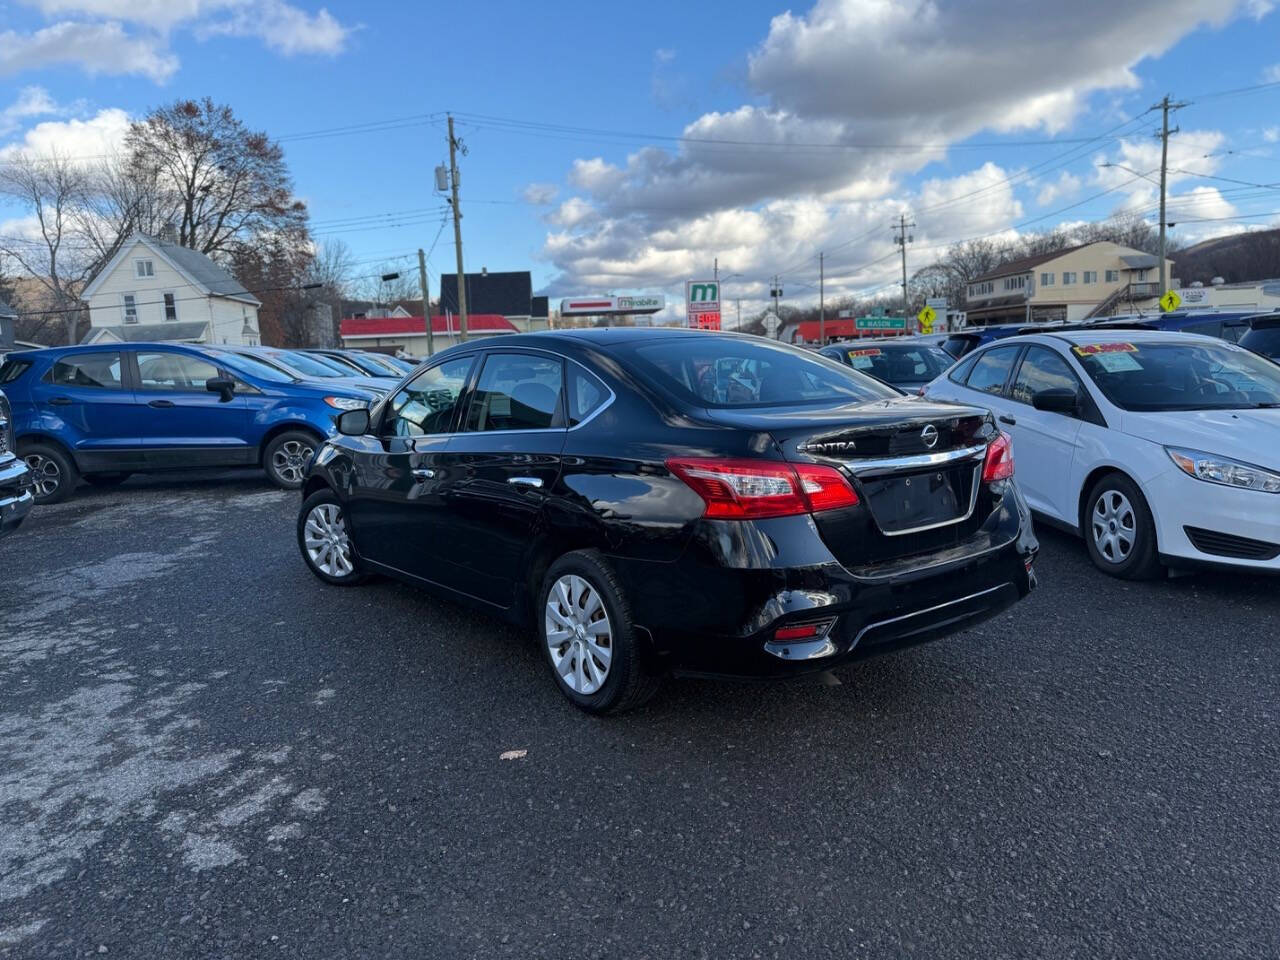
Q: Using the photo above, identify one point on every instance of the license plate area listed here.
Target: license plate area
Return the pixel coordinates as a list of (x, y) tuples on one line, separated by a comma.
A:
[(902, 503)]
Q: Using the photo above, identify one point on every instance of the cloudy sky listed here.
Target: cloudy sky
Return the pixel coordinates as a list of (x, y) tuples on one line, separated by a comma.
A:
[(623, 148)]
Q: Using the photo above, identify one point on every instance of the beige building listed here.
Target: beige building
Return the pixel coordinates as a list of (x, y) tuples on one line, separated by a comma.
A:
[(156, 290), (1068, 285)]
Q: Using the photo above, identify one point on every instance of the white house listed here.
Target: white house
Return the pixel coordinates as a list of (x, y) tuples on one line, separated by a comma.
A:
[(156, 290)]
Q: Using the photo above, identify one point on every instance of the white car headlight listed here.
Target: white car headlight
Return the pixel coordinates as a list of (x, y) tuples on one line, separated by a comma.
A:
[(346, 403), (1230, 473)]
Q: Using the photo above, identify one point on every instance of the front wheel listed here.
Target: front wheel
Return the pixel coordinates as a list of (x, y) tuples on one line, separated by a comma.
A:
[(287, 456), (584, 622), (53, 473), (1119, 530), (325, 540)]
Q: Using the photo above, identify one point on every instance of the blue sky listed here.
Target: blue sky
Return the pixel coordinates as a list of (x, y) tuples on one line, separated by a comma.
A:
[(805, 130)]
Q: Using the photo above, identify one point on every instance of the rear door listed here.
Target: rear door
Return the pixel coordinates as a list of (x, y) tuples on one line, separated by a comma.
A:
[(500, 468), (183, 424), (1045, 443), (395, 500), (86, 400)]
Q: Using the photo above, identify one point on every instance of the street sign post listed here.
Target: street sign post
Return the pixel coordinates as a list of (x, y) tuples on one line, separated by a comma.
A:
[(1170, 301), (702, 304), (879, 323), (925, 317)]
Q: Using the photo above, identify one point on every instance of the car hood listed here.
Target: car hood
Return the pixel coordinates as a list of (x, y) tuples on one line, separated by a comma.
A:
[(329, 388), (1249, 435)]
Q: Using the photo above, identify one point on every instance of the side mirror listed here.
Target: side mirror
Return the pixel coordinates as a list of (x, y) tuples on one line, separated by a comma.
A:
[(353, 423), (221, 385), (1057, 400)]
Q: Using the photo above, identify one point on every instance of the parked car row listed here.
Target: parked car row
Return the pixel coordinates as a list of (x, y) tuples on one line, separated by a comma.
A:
[(103, 412)]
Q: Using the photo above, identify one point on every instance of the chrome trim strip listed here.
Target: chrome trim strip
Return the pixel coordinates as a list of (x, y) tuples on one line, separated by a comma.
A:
[(917, 613), (973, 503), (921, 461)]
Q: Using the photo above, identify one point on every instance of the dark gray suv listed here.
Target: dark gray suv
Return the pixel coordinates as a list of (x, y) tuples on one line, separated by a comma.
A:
[(16, 496)]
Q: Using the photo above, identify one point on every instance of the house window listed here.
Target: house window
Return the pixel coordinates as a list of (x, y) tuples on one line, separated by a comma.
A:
[(1068, 276), (1046, 279), (130, 308), (170, 307), (1113, 276), (1091, 276), (1015, 283), (144, 268)]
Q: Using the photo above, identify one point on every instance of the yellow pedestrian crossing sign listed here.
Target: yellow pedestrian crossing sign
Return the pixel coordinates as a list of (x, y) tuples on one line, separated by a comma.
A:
[(926, 317), (1170, 301)]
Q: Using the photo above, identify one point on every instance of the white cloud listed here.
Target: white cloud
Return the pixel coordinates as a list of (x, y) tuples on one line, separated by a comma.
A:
[(539, 194), (849, 100), (283, 27), (1272, 73), (1271, 134), (1066, 185), (95, 47), (1191, 153), (31, 102), (99, 136)]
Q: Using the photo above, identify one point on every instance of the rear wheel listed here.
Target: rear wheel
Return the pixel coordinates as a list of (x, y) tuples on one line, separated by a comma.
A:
[(53, 472), (584, 622), (1119, 530), (106, 479), (287, 456), (325, 540)]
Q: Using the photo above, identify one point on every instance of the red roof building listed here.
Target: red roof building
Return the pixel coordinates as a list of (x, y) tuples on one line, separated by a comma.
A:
[(408, 335)]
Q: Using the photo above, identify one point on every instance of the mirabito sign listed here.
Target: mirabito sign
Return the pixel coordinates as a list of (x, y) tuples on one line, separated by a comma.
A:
[(603, 306), (702, 304)]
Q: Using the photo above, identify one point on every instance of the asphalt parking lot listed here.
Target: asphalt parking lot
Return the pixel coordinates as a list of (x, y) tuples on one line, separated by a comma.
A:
[(204, 752)]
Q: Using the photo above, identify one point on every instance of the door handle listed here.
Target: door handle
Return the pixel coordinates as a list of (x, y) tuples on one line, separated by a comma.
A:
[(423, 473), (525, 481), (159, 403), (60, 401), (1005, 418)]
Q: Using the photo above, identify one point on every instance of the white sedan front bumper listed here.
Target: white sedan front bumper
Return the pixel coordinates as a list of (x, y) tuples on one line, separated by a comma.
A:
[(1227, 526)]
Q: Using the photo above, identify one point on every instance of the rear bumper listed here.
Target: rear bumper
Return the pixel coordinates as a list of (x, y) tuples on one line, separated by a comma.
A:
[(16, 496), (709, 619)]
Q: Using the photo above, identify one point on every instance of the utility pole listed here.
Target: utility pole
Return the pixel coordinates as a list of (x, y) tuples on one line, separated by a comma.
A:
[(738, 325), (454, 146), (902, 238), (715, 271), (822, 301), (1165, 106), (777, 292), (426, 300)]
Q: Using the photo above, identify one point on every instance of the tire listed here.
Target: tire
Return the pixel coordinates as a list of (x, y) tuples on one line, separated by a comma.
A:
[(106, 479), (581, 590), (53, 472), (316, 530), (286, 458), (1118, 530)]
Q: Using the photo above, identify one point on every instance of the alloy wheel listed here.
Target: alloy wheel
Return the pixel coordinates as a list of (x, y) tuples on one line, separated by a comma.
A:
[(326, 541), (46, 476), (290, 460), (1115, 526), (579, 636)]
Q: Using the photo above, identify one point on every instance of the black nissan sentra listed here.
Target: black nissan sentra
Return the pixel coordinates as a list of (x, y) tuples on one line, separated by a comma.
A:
[(672, 502)]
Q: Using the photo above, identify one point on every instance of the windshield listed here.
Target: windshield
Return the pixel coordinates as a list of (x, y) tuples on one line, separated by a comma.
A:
[(379, 366), (899, 363), (307, 364), (349, 367), (244, 364), (1263, 340), (717, 371), (1180, 376)]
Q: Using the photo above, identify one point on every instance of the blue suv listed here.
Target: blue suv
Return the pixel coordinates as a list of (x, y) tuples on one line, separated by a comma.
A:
[(105, 411)]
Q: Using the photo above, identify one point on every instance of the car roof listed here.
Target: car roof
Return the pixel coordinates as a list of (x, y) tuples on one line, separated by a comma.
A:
[(79, 348), (1105, 335), (884, 341)]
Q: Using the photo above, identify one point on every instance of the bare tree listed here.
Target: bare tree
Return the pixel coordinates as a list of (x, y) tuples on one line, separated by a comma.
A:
[(332, 267), (403, 286), (53, 189), (228, 185)]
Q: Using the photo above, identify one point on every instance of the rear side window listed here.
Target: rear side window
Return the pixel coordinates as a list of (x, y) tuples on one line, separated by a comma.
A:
[(428, 402), (991, 370), (1208, 328), (586, 394), (517, 391), (1263, 340), (960, 373), (11, 370), (97, 370)]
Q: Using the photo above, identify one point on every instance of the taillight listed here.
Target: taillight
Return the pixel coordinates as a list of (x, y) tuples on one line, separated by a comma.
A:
[(999, 462), (756, 489)]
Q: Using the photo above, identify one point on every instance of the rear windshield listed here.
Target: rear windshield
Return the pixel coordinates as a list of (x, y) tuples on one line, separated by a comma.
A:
[(1263, 340), (714, 371), (895, 363), (1176, 376), (958, 346), (309, 365)]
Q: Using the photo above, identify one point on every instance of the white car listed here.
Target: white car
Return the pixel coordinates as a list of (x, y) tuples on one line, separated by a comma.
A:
[(1160, 449)]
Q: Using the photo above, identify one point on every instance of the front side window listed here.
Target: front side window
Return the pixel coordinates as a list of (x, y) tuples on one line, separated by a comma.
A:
[(1157, 376), (161, 370), (100, 370), (1042, 369), (725, 372), (170, 307), (517, 391), (130, 308), (427, 403), (992, 370)]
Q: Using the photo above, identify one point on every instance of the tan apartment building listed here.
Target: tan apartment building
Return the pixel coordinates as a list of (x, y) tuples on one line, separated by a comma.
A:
[(1073, 284)]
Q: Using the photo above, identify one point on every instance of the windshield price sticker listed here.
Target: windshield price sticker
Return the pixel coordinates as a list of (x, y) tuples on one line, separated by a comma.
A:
[(865, 352), (1097, 349), (1117, 362)]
